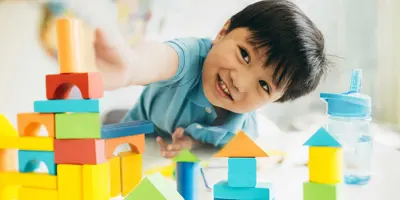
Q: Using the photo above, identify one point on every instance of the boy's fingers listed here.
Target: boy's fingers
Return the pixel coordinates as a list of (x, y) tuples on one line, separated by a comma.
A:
[(169, 154), (162, 143), (174, 147), (178, 134)]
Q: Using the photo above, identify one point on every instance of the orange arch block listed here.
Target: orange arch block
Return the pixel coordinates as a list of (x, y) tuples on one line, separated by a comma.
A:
[(241, 146), (136, 142), (29, 123)]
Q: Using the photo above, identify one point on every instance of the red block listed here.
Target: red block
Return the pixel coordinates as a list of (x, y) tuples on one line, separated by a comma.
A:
[(58, 86), (93, 151)]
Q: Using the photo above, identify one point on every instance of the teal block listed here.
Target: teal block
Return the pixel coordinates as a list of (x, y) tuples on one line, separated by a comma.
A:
[(29, 161), (242, 172), (322, 138), (67, 105), (262, 190)]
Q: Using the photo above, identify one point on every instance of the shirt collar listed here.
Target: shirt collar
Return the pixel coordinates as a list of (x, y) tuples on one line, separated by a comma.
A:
[(197, 96)]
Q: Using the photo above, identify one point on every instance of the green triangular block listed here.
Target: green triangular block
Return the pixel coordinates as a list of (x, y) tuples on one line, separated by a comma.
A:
[(154, 187), (186, 156)]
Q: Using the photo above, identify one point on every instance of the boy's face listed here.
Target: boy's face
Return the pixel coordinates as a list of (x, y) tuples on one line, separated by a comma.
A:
[(234, 77)]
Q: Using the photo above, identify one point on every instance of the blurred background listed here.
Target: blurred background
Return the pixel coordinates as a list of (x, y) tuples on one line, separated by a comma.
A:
[(361, 34)]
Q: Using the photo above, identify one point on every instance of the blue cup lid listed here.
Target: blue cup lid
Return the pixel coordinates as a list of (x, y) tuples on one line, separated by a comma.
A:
[(351, 103)]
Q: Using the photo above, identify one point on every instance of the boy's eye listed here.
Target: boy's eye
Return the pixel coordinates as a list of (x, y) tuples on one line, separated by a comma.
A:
[(265, 86), (245, 55)]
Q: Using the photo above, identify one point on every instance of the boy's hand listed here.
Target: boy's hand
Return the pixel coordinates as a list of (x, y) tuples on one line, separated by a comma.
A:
[(179, 141)]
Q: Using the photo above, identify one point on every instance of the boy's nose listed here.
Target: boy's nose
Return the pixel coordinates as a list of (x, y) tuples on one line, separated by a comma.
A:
[(241, 81)]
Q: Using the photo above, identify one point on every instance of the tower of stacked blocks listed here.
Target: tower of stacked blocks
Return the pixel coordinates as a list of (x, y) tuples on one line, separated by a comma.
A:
[(242, 181), (325, 167), (77, 150)]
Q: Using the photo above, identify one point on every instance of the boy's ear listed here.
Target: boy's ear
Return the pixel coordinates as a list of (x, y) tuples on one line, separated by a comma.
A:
[(223, 31)]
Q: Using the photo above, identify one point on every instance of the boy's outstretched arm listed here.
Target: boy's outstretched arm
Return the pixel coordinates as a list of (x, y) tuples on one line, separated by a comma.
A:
[(148, 62)]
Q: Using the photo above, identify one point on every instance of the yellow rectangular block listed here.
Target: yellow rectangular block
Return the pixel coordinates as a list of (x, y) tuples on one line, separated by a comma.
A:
[(325, 165), (69, 182), (37, 193), (115, 173), (131, 170), (27, 143), (29, 180), (96, 182), (9, 192)]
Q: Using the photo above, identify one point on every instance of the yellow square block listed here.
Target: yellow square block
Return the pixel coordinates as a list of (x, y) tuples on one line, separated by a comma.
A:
[(96, 182), (9, 192), (69, 182), (37, 193), (29, 180), (131, 171), (27, 143), (325, 165), (115, 173)]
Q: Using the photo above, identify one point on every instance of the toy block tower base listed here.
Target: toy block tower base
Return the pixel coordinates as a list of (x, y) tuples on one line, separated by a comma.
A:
[(325, 168), (242, 182)]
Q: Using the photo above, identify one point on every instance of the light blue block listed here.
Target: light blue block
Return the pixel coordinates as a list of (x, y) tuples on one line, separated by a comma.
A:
[(67, 105), (262, 190), (29, 161), (242, 172)]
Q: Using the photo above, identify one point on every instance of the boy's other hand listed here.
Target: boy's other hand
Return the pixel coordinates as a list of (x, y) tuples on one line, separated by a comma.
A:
[(179, 141)]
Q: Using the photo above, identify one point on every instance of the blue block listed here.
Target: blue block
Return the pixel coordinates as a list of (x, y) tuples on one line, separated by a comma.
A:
[(186, 180), (242, 172), (126, 129), (67, 105), (261, 191), (29, 161)]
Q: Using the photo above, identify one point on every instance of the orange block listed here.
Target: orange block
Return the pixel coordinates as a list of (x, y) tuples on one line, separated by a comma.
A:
[(136, 142), (70, 40), (241, 146), (29, 123)]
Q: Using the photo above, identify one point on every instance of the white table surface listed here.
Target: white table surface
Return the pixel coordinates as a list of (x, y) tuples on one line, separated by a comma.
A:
[(288, 177)]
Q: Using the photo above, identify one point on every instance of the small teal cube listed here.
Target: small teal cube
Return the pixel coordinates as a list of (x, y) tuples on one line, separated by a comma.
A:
[(242, 172)]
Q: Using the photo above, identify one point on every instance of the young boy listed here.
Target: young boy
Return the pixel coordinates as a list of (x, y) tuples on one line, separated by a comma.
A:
[(201, 91)]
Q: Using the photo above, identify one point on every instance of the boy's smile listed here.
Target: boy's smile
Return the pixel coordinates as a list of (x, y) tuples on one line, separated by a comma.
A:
[(234, 77)]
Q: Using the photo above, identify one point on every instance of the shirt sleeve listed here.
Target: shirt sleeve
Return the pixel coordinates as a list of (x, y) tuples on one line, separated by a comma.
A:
[(188, 51), (218, 136)]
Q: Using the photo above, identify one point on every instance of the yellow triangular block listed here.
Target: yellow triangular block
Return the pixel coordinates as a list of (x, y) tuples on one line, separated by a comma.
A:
[(241, 146), (6, 129)]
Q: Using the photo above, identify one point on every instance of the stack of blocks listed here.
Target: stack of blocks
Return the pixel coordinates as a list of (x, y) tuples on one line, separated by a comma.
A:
[(242, 182), (325, 168), (78, 151)]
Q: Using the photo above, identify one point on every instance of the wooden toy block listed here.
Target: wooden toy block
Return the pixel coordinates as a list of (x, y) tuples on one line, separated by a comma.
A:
[(187, 179), (9, 192), (131, 170), (317, 191), (69, 182), (115, 173), (263, 190), (70, 37), (241, 146), (96, 182), (322, 138), (242, 172), (186, 156), (78, 126), (29, 180), (325, 165), (127, 129), (79, 151), (8, 160), (154, 187), (58, 86), (37, 193), (29, 124), (69, 105), (29, 161), (6, 128), (93, 151), (27, 143)]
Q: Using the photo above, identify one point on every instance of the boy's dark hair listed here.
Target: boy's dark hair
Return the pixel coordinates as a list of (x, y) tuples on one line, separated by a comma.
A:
[(291, 42)]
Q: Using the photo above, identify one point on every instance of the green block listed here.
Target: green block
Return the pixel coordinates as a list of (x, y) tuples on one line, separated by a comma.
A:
[(186, 156), (78, 125), (154, 187), (318, 191)]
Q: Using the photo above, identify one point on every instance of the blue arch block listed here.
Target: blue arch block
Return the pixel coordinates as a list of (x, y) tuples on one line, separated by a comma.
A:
[(29, 161)]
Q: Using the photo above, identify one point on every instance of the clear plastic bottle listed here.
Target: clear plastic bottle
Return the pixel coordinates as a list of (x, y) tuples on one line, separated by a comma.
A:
[(349, 117)]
